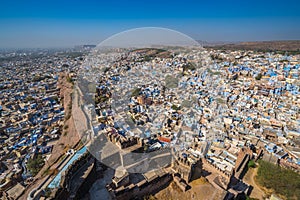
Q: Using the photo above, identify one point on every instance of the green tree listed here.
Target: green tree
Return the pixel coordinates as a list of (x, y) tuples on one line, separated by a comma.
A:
[(251, 164), (135, 92), (171, 81), (258, 77), (69, 79), (174, 107), (34, 165)]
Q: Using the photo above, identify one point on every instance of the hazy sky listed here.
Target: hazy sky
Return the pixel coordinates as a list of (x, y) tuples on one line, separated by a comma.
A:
[(31, 23)]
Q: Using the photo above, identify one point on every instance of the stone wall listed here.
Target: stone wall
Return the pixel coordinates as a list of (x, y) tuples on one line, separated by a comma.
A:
[(224, 173), (244, 155), (141, 189), (87, 183), (66, 179)]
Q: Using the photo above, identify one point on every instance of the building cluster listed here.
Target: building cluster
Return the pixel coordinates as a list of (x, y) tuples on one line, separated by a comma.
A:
[(168, 115), (242, 104), (31, 113)]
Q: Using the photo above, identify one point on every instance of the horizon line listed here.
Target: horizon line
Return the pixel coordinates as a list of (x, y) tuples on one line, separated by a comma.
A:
[(204, 42)]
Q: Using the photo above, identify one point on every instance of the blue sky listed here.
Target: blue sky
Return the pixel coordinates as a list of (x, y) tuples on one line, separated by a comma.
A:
[(56, 23)]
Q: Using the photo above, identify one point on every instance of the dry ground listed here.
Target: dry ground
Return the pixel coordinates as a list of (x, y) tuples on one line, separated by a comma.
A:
[(66, 141), (249, 178), (200, 190)]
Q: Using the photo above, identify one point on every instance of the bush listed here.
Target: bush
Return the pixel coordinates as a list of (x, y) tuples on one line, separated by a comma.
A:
[(147, 58), (249, 198), (35, 165), (55, 99), (283, 181), (46, 172), (47, 192), (189, 66), (251, 164), (106, 69), (258, 77), (186, 104), (29, 98), (67, 117), (150, 197), (37, 78), (171, 81), (174, 107), (101, 99), (70, 106), (69, 79), (135, 92)]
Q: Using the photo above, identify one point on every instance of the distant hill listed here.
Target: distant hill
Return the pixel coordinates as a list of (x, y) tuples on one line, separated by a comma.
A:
[(85, 46), (260, 46)]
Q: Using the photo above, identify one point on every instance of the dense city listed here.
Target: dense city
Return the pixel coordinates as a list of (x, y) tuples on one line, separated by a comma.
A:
[(199, 122)]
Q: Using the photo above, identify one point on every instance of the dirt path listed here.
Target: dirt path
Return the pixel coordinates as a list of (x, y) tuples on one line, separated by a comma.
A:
[(250, 179)]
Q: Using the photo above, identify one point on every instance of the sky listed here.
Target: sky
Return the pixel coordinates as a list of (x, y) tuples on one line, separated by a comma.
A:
[(39, 24)]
